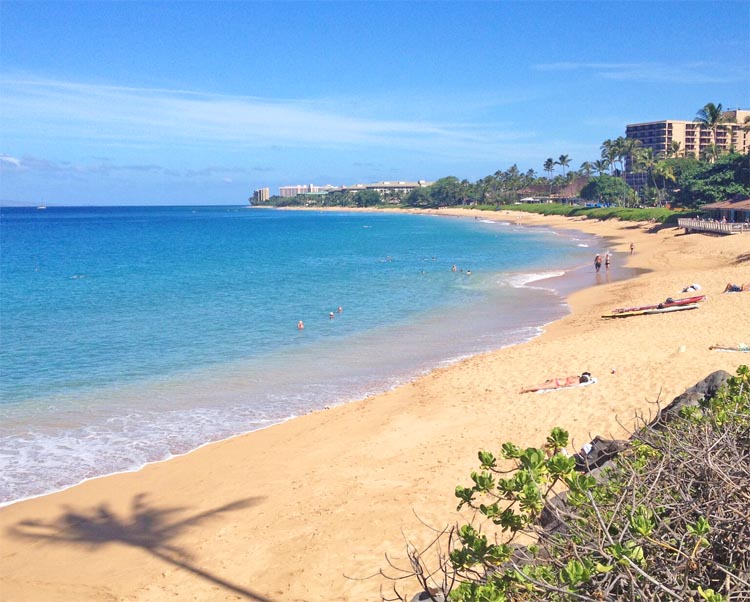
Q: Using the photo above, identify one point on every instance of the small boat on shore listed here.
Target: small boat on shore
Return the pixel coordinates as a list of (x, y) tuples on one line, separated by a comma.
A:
[(652, 310), (669, 302)]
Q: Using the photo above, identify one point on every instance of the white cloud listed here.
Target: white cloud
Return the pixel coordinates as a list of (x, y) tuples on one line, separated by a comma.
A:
[(7, 161), (157, 118), (654, 72)]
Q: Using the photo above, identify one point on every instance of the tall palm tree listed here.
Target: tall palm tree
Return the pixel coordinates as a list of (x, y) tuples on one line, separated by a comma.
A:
[(629, 148), (601, 166), (587, 168), (563, 162), (621, 149), (664, 170), (549, 166), (609, 152), (712, 117)]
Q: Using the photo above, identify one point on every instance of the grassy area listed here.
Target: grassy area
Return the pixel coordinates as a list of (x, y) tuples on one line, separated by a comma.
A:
[(656, 214)]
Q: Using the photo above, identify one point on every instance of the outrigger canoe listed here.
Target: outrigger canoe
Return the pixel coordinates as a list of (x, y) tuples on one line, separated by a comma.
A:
[(653, 310), (668, 303)]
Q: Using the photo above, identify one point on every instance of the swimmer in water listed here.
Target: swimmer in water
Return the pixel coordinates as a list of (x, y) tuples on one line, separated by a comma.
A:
[(300, 325)]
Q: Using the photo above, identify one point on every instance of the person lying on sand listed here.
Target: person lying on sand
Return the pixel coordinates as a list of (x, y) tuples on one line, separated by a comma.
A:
[(736, 288), (737, 347), (559, 383)]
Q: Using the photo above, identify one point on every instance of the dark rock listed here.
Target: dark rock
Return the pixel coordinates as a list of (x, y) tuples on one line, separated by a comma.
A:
[(550, 519), (602, 451), (694, 396)]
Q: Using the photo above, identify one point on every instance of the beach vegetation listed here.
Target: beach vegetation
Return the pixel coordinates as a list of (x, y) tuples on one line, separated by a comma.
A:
[(666, 519), (698, 182), (637, 214), (366, 198), (608, 190)]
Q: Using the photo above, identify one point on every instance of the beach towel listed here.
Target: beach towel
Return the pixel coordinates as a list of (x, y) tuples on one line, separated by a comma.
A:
[(591, 381)]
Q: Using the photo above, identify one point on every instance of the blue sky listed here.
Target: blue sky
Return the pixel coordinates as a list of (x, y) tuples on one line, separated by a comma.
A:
[(132, 103)]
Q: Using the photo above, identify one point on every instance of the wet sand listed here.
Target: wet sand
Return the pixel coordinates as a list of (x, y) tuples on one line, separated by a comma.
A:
[(306, 510)]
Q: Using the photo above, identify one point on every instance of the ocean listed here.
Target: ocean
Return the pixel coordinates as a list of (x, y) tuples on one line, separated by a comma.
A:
[(129, 335)]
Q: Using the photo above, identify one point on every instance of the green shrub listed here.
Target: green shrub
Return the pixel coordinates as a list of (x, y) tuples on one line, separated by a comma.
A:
[(633, 214), (666, 520)]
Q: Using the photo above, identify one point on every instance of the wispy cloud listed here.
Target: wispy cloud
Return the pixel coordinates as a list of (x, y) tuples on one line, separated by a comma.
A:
[(655, 72), (107, 167), (8, 162), (149, 117)]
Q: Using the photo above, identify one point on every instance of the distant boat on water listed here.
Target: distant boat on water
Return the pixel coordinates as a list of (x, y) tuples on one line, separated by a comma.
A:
[(42, 206)]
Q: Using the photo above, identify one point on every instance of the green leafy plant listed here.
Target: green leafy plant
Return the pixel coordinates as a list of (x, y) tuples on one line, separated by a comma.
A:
[(666, 520)]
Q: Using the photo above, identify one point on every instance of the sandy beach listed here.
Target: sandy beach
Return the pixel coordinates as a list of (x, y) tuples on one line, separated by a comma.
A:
[(308, 509)]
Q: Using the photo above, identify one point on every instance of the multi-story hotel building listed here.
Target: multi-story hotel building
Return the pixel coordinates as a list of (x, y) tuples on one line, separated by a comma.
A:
[(386, 189), (261, 194), (292, 191), (693, 137)]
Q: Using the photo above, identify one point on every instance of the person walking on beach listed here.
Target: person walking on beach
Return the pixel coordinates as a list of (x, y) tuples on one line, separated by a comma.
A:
[(598, 262), (607, 261), (632, 247)]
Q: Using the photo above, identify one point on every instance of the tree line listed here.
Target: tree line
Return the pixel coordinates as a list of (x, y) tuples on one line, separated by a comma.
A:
[(672, 178)]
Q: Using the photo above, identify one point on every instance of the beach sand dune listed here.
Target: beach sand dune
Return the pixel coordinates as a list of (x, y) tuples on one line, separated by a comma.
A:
[(308, 509)]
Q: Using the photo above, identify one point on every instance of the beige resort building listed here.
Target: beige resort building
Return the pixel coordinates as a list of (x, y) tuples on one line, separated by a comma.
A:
[(389, 191), (693, 137)]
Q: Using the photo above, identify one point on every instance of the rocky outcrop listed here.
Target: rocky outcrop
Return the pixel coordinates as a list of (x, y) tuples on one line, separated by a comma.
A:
[(699, 393)]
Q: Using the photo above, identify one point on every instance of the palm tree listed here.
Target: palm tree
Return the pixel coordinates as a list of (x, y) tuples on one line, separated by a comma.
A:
[(675, 149), (666, 171), (609, 152), (710, 153), (629, 147), (549, 167), (563, 162), (587, 168), (621, 149), (712, 117), (601, 166)]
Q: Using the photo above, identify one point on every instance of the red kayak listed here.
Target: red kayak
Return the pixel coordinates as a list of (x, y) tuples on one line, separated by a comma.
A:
[(668, 303)]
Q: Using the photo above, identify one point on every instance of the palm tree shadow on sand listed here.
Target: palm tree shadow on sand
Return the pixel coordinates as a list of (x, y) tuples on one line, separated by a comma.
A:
[(147, 527)]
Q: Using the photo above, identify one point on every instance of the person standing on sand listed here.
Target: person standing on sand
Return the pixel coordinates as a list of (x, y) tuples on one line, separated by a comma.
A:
[(632, 247), (598, 262)]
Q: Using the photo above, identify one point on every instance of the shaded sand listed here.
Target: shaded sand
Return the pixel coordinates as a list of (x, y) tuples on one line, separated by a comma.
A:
[(289, 512)]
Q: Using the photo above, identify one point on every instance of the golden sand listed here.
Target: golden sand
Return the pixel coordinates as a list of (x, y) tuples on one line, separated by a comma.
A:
[(307, 509)]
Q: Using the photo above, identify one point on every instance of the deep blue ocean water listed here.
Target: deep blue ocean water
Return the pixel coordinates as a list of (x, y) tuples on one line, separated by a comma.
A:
[(128, 335)]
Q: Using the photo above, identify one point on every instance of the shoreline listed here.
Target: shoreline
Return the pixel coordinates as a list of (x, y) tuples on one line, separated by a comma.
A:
[(554, 284), (289, 508)]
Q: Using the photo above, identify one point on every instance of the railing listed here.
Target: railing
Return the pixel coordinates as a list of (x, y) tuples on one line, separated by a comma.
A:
[(702, 225)]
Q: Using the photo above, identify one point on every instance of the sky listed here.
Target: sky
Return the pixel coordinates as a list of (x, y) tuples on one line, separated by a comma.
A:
[(181, 103)]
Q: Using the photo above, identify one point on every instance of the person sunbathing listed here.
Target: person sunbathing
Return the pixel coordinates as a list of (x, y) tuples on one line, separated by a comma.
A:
[(736, 288), (738, 347), (559, 383)]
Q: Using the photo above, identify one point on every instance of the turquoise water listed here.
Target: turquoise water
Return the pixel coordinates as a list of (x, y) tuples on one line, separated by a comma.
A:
[(129, 335)]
